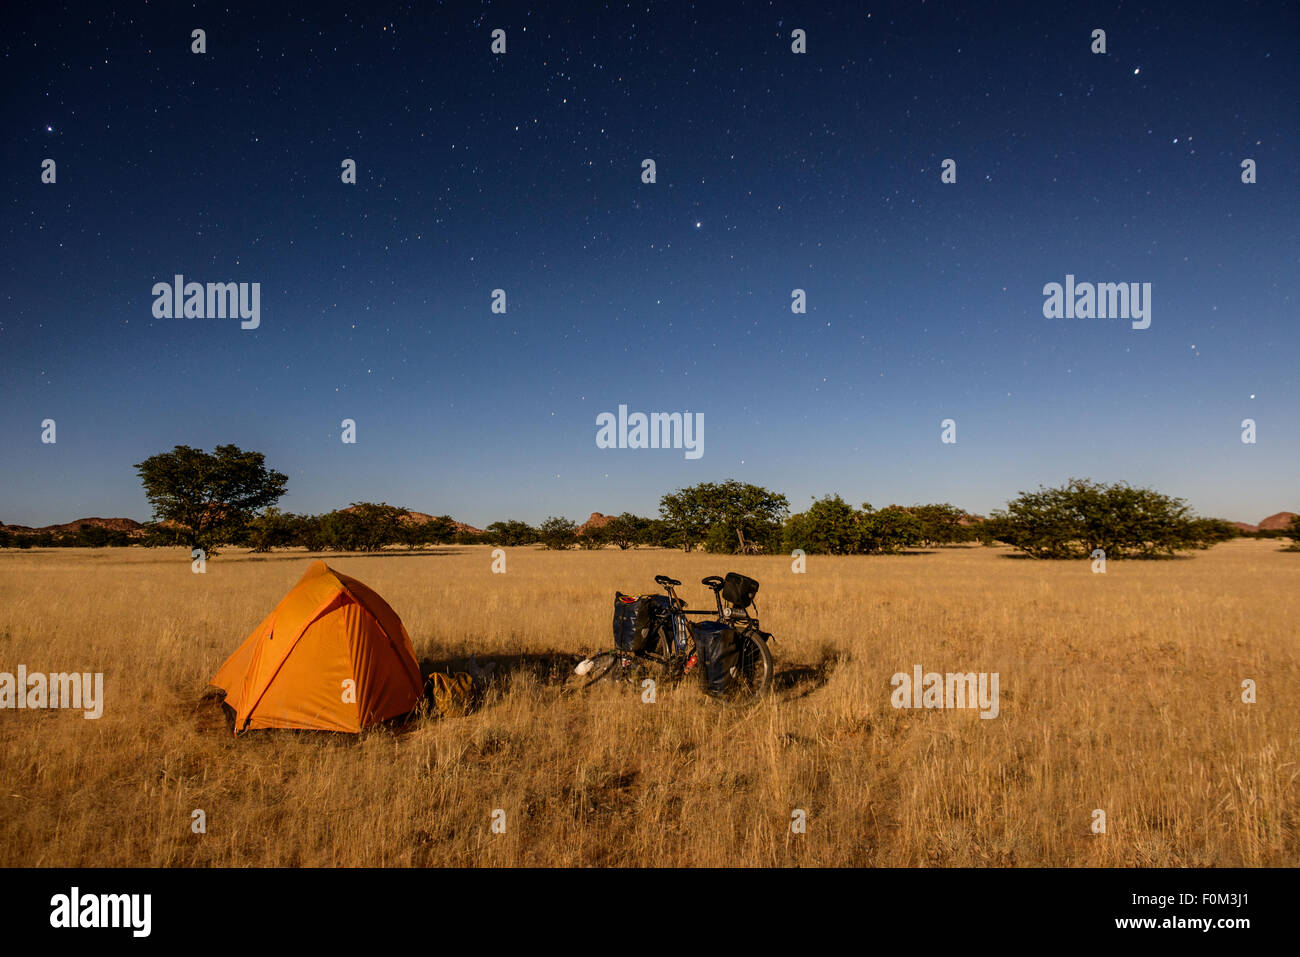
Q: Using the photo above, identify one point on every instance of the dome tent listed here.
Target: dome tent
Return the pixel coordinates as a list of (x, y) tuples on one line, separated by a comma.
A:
[(332, 656)]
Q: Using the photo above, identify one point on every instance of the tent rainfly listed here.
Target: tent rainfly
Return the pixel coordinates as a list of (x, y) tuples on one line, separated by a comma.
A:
[(332, 656)]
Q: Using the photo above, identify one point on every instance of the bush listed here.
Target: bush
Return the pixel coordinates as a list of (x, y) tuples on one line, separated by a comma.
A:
[(941, 524), (1293, 533), (557, 532), (829, 527), (1125, 522), (510, 534), (365, 527), (833, 527), (440, 530), (271, 529), (888, 530), (1211, 531)]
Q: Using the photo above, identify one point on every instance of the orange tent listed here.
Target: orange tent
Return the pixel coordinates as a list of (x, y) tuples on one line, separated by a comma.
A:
[(332, 656)]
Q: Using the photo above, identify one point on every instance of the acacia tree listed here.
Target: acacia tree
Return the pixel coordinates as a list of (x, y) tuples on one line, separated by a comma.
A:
[(685, 516), (722, 513), (626, 530), (1082, 516), (209, 498)]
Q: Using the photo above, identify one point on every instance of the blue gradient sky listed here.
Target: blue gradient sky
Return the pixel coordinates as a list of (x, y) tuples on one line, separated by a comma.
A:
[(523, 172)]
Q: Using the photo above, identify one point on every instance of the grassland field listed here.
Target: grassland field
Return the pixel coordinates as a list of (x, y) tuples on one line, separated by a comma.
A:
[(1119, 692)]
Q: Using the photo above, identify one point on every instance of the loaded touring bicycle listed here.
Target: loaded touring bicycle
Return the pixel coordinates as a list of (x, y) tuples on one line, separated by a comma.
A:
[(653, 637)]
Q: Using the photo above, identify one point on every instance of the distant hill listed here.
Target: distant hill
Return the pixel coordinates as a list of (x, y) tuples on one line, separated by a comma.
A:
[(595, 521), (128, 525), (137, 530), (1276, 522)]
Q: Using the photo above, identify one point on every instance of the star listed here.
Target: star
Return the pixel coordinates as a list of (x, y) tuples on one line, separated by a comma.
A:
[(698, 224)]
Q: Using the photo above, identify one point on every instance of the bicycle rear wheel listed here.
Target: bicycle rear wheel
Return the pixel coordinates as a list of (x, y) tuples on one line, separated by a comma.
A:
[(752, 674)]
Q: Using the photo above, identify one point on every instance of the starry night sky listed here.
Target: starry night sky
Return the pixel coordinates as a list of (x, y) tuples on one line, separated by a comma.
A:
[(775, 171)]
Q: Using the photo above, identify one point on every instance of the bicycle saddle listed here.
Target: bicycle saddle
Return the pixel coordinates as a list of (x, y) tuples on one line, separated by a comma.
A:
[(665, 580)]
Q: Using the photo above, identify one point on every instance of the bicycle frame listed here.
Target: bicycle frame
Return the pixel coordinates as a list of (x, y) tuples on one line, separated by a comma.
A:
[(739, 619)]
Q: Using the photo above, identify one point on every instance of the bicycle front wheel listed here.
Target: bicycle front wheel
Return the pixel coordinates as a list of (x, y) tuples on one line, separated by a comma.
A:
[(604, 666)]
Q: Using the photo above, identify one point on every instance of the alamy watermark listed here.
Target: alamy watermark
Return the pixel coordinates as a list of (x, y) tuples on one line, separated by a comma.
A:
[(951, 690), (57, 690), (76, 909), (657, 430), (1103, 300), (213, 300)]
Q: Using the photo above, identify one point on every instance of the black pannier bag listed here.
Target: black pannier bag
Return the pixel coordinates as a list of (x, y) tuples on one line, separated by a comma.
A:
[(637, 619), (653, 619), (719, 653), (625, 608), (738, 590)]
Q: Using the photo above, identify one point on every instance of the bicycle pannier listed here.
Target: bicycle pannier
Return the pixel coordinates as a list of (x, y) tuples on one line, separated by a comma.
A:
[(625, 615), (638, 621), (719, 653), (653, 616)]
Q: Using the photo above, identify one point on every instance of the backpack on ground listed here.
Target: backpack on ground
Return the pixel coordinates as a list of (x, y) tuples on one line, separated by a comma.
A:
[(451, 694)]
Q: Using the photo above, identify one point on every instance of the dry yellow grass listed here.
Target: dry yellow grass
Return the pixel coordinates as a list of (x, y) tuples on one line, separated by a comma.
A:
[(1118, 691)]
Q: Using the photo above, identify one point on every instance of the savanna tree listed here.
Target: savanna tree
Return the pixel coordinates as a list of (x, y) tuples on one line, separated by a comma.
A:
[(208, 498)]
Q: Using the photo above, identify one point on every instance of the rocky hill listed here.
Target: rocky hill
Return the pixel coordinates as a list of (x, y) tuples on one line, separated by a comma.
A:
[(1277, 521), (1274, 523), (128, 525), (595, 521)]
